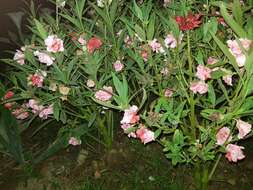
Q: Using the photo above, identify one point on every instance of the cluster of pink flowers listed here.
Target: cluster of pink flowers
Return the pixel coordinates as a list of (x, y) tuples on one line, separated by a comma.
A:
[(42, 111), (105, 94), (54, 44), (19, 112), (224, 136), (156, 46), (129, 120), (203, 73), (238, 48), (44, 58)]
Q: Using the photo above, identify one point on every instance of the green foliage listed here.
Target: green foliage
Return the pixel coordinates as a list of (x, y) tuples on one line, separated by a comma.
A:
[(10, 140)]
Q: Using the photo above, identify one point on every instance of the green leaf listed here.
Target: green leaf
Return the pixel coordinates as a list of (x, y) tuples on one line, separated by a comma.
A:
[(151, 27), (237, 12), (10, 140), (140, 32), (56, 109), (42, 32), (178, 137), (138, 11), (157, 133), (211, 94), (218, 74), (232, 23), (210, 27)]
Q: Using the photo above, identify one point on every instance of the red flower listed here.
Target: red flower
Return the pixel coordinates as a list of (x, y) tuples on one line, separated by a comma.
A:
[(188, 23), (93, 44), (8, 95)]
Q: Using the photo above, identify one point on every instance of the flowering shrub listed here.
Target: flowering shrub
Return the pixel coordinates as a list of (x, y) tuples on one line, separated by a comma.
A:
[(177, 74)]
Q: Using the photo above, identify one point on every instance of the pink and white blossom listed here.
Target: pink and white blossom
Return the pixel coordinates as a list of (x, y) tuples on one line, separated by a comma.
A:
[(105, 94), (130, 115), (20, 113), (118, 66), (36, 107), (199, 87), (44, 58), (145, 134), (171, 42), (54, 44), (82, 41), (227, 79), (203, 73), (168, 93), (243, 127), (74, 141), (239, 50), (19, 57), (234, 152), (46, 112), (223, 136), (212, 60), (156, 46)]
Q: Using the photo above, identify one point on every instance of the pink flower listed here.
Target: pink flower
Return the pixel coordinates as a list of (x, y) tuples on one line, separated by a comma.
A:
[(243, 127), (44, 58), (9, 105), (228, 79), (105, 94), (90, 83), (74, 141), (128, 41), (223, 136), (234, 152), (212, 60), (237, 51), (36, 108), (145, 135), (240, 59), (46, 111), (203, 73), (81, 40), (118, 66), (130, 116), (37, 78), (156, 46), (144, 55), (54, 44), (20, 113), (8, 95), (201, 87), (126, 127), (93, 44), (171, 42), (19, 57), (168, 93)]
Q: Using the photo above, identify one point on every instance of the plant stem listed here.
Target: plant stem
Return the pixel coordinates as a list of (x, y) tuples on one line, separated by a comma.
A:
[(214, 167), (192, 102)]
